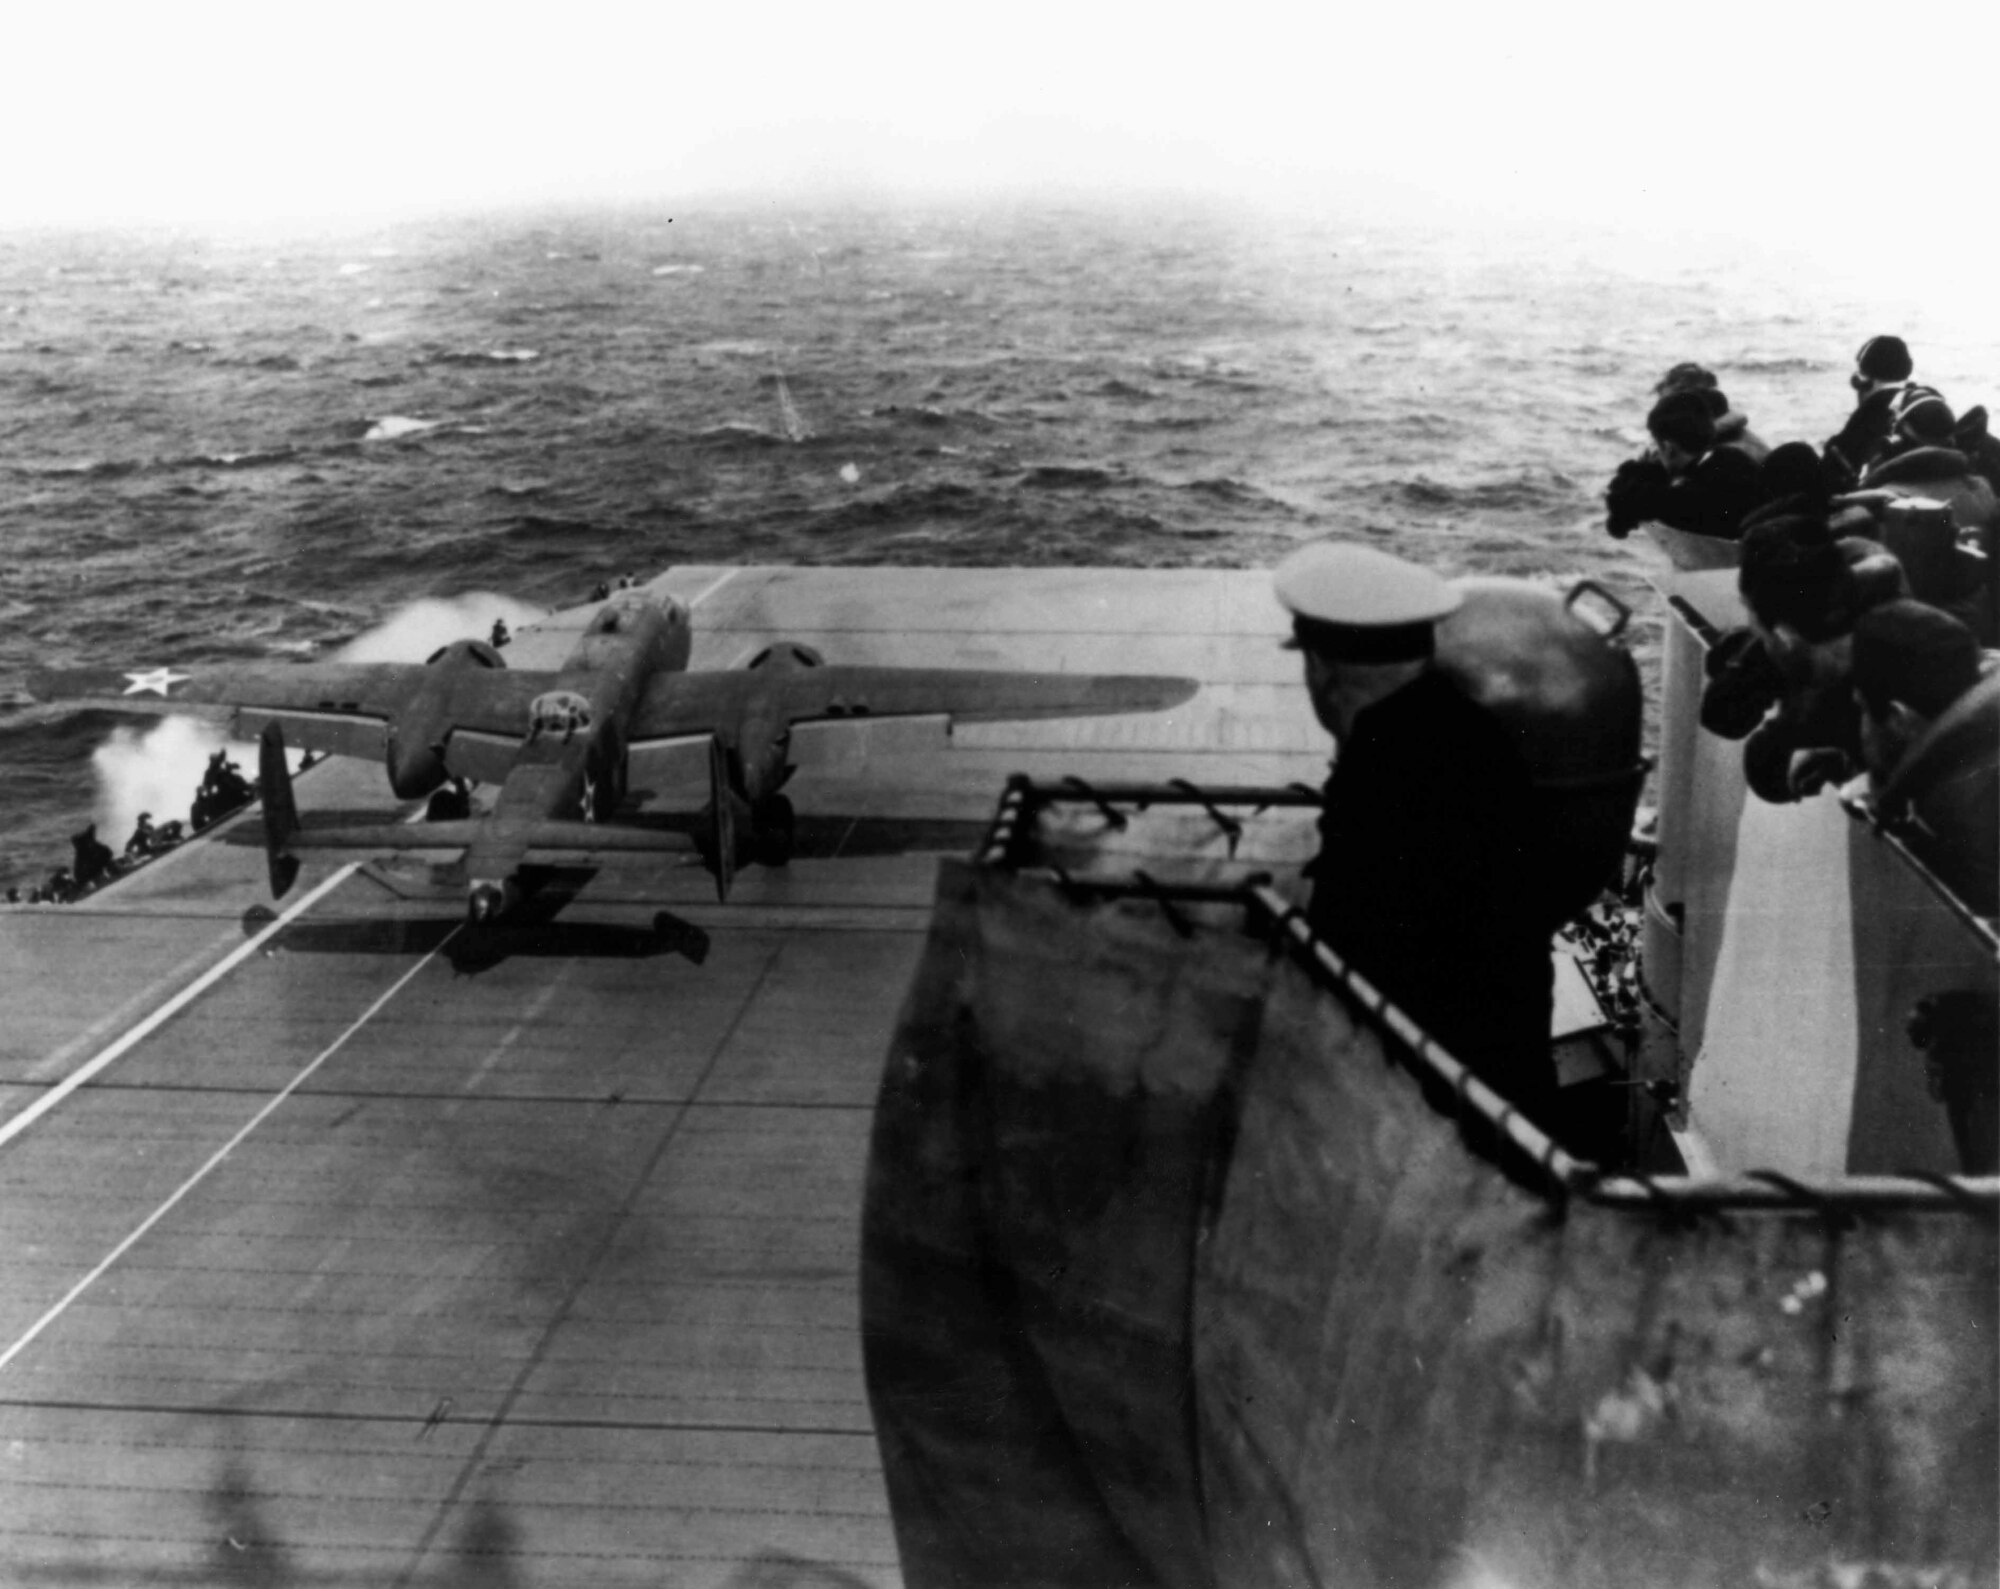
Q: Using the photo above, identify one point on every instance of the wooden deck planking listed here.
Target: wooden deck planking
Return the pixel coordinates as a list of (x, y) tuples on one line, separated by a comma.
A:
[(547, 1274)]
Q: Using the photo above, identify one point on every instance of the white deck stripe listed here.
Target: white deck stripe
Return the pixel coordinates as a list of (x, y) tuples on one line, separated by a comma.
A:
[(180, 1001), (220, 1153), (712, 589)]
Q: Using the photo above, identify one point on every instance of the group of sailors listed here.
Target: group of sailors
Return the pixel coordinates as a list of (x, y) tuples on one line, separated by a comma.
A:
[(223, 790), (602, 590), (1870, 570), (1707, 473), (500, 634), (1866, 569)]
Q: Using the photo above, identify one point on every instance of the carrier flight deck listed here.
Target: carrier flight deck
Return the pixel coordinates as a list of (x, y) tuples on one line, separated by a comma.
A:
[(342, 1245)]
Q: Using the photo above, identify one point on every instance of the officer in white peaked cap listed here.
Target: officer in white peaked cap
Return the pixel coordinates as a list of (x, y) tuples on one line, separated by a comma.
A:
[(1355, 599), (1424, 881), (1366, 621)]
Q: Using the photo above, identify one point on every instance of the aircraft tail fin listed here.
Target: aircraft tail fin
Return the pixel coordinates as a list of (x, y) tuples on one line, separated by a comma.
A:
[(722, 809), (281, 810)]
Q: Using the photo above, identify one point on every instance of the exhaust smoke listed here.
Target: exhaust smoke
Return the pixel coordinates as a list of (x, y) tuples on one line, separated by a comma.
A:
[(413, 632), (159, 770)]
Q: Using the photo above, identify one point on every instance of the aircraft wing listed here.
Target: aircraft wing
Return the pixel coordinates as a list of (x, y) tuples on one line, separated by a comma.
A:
[(342, 707), (695, 703)]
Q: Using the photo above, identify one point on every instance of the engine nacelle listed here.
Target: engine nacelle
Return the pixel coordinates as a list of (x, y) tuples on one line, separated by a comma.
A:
[(413, 750), (476, 652), (786, 654)]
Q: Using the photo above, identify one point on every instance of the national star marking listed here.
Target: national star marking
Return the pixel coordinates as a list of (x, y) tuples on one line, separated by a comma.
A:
[(160, 680)]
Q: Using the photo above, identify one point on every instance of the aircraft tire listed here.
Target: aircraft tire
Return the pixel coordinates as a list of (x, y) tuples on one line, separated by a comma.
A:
[(775, 823), (610, 792), (446, 805)]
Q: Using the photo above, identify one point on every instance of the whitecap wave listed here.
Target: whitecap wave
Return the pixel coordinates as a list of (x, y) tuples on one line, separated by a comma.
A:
[(391, 427)]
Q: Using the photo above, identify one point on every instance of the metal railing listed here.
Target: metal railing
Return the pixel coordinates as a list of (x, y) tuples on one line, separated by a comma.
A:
[(1558, 1174)]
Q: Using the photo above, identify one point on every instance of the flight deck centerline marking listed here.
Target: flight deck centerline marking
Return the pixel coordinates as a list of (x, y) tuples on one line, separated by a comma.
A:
[(513, 1035), (216, 1159), (503, 1414), (712, 589), (180, 1001)]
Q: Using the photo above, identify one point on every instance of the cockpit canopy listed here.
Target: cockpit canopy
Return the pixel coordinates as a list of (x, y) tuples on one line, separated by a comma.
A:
[(558, 712), (616, 615)]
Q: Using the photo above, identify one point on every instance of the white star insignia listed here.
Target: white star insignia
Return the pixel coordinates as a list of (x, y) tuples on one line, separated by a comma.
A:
[(161, 680)]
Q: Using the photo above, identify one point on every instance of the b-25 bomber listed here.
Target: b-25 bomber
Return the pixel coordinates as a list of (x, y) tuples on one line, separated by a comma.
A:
[(565, 747)]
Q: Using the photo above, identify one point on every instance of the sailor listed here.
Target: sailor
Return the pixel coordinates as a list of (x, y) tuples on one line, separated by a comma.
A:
[(141, 842), (1791, 479), (1804, 588), (1930, 739), (1732, 429), (1881, 382), (1687, 481), (500, 636), (93, 857), (1424, 880)]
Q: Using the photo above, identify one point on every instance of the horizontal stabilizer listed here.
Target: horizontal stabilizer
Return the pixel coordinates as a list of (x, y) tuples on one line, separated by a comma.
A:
[(722, 800), (547, 835)]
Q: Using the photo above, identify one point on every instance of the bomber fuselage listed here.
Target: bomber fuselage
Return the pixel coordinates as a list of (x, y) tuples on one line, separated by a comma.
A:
[(571, 765)]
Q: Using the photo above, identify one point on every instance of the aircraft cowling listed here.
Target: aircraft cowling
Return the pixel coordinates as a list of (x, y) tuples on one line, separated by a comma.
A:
[(786, 654), (1573, 702), (414, 745), (476, 652), (413, 751)]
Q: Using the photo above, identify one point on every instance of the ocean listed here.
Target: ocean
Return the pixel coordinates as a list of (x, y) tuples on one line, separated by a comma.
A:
[(260, 447)]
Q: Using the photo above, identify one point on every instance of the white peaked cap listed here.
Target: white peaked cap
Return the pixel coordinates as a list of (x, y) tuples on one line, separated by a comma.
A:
[(1345, 587)]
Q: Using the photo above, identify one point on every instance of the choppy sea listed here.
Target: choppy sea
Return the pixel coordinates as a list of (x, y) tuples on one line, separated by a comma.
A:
[(218, 448)]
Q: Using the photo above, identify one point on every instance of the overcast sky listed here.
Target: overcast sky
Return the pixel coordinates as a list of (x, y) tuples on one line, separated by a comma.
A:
[(1750, 121)]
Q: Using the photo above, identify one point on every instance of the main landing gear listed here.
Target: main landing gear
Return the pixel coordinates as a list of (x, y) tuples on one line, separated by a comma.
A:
[(774, 824)]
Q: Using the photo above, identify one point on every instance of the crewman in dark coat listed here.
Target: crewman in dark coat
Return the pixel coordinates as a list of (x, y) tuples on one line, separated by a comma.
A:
[(1425, 881), (1732, 429), (93, 858), (1882, 385), (1687, 481)]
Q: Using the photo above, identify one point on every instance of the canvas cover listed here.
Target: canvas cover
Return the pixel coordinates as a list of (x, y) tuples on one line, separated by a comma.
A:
[(1174, 1274)]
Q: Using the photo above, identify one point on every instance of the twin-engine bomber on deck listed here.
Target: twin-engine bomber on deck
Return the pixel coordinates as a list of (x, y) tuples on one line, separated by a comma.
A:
[(566, 746)]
